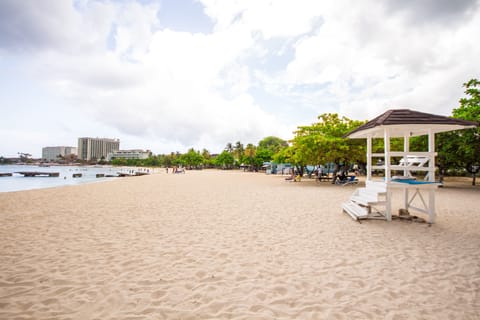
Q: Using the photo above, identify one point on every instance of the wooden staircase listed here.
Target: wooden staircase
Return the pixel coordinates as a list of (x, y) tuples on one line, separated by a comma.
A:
[(365, 202)]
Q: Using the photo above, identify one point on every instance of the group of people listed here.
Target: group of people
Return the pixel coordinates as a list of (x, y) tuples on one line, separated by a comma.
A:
[(338, 177), (342, 175)]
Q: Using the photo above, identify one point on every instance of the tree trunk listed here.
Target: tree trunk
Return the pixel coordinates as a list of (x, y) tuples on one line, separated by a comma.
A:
[(335, 170), (474, 177), (441, 174)]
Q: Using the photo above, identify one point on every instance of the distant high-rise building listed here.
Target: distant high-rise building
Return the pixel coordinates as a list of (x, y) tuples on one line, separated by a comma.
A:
[(96, 148), (55, 153)]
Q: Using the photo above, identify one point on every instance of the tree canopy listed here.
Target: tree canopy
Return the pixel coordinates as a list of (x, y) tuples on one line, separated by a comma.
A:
[(324, 142), (272, 144), (464, 147)]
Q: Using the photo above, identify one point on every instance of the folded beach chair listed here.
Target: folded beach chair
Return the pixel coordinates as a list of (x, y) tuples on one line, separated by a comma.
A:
[(347, 181)]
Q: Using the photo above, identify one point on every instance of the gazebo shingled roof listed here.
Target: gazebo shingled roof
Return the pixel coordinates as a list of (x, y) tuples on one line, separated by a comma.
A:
[(406, 120)]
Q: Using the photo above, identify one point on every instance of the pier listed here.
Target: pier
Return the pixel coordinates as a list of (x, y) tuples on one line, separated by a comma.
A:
[(6, 174), (38, 174)]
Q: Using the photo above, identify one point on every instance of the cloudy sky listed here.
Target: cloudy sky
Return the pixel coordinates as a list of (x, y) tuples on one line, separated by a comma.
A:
[(168, 75)]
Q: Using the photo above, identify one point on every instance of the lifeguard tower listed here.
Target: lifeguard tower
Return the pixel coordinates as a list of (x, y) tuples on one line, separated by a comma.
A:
[(375, 199)]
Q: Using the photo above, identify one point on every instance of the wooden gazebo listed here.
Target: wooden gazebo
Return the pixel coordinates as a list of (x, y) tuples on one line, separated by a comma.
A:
[(397, 166)]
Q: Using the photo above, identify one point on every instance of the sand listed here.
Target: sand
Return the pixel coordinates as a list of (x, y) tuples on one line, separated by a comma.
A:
[(231, 245)]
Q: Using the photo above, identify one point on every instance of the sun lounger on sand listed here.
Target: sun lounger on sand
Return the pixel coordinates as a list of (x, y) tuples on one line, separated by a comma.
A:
[(349, 180)]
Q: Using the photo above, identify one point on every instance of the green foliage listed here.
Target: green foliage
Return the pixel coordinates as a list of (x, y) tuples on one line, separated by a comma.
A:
[(225, 160), (324, 142), (284, 155), (467, 143), (272, 144), (4, 161), (469, 108), (152, 161), (192, 159), (262, 155), (238, 151), (229, 147), (249, 155)]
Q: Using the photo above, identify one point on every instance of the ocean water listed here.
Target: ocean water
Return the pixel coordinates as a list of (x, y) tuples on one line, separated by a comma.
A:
[(18, 182)]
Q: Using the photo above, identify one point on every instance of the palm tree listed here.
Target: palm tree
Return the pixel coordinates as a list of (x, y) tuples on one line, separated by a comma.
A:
[(229, 147), (238, 151), (250, 152), (206, 154)]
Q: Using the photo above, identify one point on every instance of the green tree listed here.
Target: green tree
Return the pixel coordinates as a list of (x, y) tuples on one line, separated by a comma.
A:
[(225, 160), (229, 147), (152, 161), (262, 155), (469, 146), (447, 144), (119, 162), (284, 155), (273, 144), (250, 152), (324, 142), (206, 154), (208, 158), (192, 159), (238, 151), (4, 161)]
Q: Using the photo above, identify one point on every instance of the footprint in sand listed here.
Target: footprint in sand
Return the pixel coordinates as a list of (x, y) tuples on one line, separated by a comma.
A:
[(158, 294), (256, 308), (261, 296), (280, 290), (48, 302)]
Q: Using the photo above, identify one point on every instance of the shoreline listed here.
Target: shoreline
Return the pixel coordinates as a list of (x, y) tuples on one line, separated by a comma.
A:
[(17, 182), (220, 244)]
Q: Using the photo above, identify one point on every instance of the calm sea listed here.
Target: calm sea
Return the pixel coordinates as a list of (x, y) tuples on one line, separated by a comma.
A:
[(18, 182)]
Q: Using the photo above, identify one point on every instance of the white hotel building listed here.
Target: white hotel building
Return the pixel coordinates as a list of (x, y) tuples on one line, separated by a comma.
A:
[(54, 153), (96, 148)]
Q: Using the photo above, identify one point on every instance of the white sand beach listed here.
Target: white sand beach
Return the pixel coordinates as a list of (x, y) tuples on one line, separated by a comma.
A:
[(232, 245)]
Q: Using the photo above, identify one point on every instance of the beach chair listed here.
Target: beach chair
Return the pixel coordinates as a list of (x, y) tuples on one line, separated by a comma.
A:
[(349, 180)]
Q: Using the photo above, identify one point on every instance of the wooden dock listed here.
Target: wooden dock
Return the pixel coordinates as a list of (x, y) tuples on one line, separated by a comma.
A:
[(38, 174), (5, 174), (132, 174)]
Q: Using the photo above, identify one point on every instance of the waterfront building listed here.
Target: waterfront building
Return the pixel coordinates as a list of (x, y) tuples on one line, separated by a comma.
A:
[(129, 154), (96, 148), (56, 153)]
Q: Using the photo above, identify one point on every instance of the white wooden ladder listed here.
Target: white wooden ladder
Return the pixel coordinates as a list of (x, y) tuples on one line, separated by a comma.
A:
[(365, 202)]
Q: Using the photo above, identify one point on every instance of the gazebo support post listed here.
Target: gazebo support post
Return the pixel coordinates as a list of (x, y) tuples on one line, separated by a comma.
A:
[(406, 150), (431, 176), (388, 176), (369, 158)]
